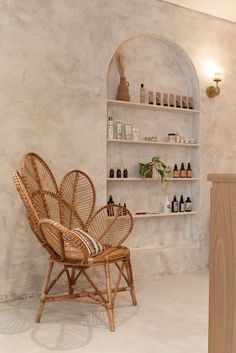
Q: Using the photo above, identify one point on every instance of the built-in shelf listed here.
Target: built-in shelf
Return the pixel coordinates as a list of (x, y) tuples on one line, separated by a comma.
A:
[(154, 143), (150, 106), (150, 179), (153, 215)]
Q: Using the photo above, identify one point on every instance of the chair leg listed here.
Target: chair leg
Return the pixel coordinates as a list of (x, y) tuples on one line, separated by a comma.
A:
[(110, 303), (44, 290), (72, 281), (131, 281)]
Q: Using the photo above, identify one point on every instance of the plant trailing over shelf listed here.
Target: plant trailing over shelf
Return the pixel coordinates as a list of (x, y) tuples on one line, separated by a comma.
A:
[(146, 169)]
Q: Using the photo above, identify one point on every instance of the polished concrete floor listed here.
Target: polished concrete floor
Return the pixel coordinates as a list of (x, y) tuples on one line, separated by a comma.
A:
[(171, 317)]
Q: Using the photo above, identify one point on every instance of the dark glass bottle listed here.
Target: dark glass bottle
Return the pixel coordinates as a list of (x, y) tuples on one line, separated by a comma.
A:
[(125, 210), (175, 171), (189, 173), (111, 173), (110, 208), (182, 172), (118, 173), (174, 205), (125, 173), (181, 204), (188, 205)]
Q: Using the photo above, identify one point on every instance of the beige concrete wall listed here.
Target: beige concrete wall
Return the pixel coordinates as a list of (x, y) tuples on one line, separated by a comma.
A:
[(54, 59)]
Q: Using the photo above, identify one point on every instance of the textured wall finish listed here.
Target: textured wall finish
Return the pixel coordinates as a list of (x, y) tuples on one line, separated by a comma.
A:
[(54, 60)]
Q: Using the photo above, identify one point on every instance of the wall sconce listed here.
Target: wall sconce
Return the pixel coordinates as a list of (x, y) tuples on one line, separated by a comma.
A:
[(218, 74)]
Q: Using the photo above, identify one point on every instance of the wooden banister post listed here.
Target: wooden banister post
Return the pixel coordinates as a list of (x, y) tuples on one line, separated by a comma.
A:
[(222, 264)]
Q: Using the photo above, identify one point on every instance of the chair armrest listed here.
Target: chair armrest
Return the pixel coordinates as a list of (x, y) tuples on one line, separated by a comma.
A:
[(56, 235), (111, 225)]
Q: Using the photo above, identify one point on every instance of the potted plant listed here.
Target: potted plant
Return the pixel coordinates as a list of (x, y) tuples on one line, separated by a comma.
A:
[(146, 169)]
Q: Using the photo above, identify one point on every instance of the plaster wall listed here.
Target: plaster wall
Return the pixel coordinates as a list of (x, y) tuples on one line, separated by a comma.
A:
[(53, 87)]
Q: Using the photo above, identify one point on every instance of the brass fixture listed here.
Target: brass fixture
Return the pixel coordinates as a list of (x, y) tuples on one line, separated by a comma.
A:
[(213, 91)]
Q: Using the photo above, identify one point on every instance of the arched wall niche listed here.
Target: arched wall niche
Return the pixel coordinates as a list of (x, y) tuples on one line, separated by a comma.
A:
[(159, 63)]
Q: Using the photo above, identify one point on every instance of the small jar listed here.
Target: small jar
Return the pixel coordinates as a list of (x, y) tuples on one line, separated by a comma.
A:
[(171, 137)]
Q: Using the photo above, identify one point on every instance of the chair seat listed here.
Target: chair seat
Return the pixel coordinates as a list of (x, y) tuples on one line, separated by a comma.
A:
[(111, 254)]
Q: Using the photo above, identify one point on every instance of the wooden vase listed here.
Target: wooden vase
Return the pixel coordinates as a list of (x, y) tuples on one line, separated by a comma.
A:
[(123, 90)]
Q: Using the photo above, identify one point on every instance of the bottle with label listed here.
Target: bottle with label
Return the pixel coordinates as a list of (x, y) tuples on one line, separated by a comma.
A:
[(125, 173), (111, 173), (189, 172), (142, 93), (166, 208), (175, 172), (165, 99), (174, 205), (181, 204), (110, 208), (119, 132), (158, 98), (188, 205), (150, 97), (118, 172), (182, 172), (110, 128)]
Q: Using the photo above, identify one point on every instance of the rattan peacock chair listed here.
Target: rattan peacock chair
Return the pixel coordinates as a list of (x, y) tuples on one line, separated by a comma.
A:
[(75, 236)]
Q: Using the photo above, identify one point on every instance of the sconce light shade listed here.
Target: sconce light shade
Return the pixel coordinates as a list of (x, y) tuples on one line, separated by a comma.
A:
[(218, 75)]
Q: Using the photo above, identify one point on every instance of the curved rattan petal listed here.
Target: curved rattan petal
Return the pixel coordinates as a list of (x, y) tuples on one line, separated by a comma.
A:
[(77, 197), (32, 215), (111, 225), (41, 186), (58, 236)]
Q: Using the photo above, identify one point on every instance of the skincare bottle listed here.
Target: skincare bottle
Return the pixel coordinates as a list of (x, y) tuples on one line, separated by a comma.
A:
[(119, 133), (111, 173), (175, 172), (177, 137), (125, 210), (178, 101), (188, 205), (110, 128), (184, 102), (118, 173), (110, 209), (181, 204), (172, 100), (142, 93), (182, 172), (189, 173), (158, 98), (174, 205), (125, 173), (165, 99), (190, 102), (166, 208), (150, 97)]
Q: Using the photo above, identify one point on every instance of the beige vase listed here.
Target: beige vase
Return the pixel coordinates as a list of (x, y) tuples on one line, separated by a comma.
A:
[(123, 90)]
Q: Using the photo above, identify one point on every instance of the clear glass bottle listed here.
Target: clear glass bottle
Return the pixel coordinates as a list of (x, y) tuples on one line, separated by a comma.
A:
[(110, 128), (142, 93)]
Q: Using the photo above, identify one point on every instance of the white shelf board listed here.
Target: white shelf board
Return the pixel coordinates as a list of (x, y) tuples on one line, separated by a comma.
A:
[(153, 215), (150, 106), (155, 143), (151, 179)]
